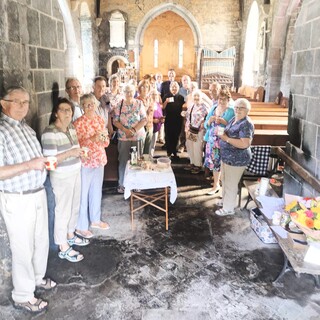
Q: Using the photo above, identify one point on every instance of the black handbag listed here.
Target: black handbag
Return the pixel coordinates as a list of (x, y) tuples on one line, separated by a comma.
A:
[(192, 129)]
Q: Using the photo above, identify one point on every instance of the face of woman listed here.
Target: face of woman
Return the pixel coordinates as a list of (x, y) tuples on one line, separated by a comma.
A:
[(115, 83), (143, 90), (174, 89), (89, 107), (64, 114), (240, 112), (223, 101), (129, 95), (196, 99)]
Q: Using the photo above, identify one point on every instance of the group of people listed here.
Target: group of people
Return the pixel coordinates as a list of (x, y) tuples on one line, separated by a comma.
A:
[(79, 130)]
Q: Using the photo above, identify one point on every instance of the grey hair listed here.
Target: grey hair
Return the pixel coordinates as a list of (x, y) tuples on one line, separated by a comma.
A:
[(242, 102), (86, 97), (129, 87), (174, 83), (198, 92), (11, 89)]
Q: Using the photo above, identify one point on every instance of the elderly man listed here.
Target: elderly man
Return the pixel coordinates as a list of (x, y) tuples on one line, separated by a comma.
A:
[(74, 91), (103, 110), (23, 202)]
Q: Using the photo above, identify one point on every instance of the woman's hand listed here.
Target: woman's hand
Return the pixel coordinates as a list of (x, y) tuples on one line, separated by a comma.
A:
[(76, 152), (129, 132), (155, 120)]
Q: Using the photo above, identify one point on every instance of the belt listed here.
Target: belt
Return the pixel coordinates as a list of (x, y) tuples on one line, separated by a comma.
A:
[(23, 192)]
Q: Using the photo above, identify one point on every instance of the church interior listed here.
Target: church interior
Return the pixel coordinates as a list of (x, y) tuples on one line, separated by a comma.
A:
[(201, 268)]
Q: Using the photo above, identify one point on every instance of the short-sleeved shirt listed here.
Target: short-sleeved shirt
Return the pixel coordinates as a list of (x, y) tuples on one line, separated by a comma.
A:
[(86, 128), (18, 144), (198, 113), (54, 141), (130, 116), (231, 155)]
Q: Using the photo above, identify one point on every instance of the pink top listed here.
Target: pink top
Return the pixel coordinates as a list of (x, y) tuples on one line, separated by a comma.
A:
[(87, 128)]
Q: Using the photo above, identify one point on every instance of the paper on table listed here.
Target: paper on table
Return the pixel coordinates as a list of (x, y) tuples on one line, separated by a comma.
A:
[(270, 204), (280, 231), (313, 254)]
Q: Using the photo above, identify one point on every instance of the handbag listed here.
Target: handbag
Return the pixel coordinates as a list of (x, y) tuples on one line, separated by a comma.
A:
[(192, 134)]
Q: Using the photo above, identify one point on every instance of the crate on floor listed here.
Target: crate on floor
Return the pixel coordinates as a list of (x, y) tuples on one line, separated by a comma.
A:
[(260, 227)]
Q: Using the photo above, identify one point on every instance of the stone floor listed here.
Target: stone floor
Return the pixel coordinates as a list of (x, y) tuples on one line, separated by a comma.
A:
[(203, 267)]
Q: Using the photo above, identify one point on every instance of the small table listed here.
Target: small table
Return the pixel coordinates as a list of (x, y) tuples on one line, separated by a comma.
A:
[(290, 254), (135, 178)]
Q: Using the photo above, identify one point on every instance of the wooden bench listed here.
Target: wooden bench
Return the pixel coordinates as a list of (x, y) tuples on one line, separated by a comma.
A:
[(270, 137)]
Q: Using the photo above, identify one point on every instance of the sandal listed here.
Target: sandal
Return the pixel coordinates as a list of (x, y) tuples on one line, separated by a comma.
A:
[(77, 241), (223, 212), (66, 255), (31, 307), (213, 191), (47, 285), (84, 234), (100, 225)]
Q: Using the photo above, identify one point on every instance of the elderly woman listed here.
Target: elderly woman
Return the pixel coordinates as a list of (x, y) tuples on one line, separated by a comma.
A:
[(218, 116), (195, 116), (143, 95), (158, 118), (60, 140), (172, 104), (92, 135), (235, 154), (130, 119)]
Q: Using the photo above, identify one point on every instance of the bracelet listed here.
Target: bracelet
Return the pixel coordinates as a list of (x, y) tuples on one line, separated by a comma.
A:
[(134, 129)]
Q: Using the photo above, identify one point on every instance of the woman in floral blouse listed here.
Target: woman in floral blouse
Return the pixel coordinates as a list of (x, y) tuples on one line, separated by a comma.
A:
[(91, 134), (130, 119), (195, 116)]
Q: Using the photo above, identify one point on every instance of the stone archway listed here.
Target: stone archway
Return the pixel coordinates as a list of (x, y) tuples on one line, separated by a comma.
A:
[(278, 67), (112, 60), (179, 10), (72, 52)]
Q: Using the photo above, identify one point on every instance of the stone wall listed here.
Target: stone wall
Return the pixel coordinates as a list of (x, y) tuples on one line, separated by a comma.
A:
[(32, 55), (32, 52), (304, 121)]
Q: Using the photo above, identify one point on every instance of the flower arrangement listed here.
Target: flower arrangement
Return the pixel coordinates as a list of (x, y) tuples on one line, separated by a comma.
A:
[(305, 213)]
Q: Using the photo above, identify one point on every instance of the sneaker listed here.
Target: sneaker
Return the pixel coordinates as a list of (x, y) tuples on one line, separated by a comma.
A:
[(120, 189), (222, 212)]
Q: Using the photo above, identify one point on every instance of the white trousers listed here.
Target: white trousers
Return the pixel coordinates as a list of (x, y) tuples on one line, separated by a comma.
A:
[(26, 219), (67, 193), (230, 177), (195, 149)]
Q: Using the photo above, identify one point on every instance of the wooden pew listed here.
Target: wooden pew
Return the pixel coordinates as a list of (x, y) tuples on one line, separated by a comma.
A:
[(270, 137), (267, 113)]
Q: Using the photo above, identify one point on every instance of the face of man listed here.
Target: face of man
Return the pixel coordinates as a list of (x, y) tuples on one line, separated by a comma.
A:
[(74, 90), (171, 75), (16, 105), (186, 81), (99, 88)]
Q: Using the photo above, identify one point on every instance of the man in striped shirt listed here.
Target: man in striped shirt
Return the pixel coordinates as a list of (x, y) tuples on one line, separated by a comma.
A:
[(23, 201)]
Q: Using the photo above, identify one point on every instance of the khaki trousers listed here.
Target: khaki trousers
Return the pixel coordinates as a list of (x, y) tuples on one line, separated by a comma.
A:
[(67, 193), (26, 219), (195, 149), (230, 177)]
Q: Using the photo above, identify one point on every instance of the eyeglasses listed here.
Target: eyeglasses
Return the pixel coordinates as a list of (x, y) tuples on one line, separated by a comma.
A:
[(74, 88), (65, 110), (18, 102), (223, 99), (89, 105), (240, 108)]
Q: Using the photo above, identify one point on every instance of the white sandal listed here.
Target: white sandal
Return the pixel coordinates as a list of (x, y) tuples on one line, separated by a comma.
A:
[(223, 212)]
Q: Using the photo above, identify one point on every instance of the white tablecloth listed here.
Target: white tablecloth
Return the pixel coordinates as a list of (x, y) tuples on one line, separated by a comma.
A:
[(136, 178)]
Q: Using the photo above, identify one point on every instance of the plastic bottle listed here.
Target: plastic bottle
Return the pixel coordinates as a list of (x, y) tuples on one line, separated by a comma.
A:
[(134, 156)]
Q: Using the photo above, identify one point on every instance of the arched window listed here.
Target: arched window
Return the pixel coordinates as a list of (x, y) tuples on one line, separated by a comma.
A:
[(180, 58), (155, 53)]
